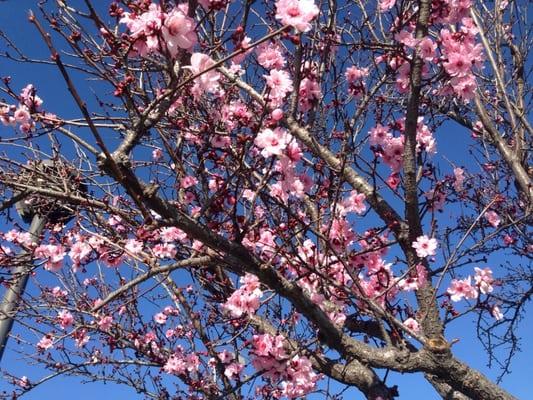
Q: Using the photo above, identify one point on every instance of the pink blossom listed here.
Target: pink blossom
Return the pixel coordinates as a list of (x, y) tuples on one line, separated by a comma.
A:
[(309, 93), (246, 299), (45, 343), (270, 56), (175, 365), (144, 29), (22, 115), (157, 154), (484, 280), (187, 182), (226, 357), (207, 81), (233, 370), (172, 234), (493, 218), (105, 322), (178, 32), (415, 282), (425, 246), (297, 13), (458, 64), (79, 253), (279, 83), (385, 5), (81, 338), (54, 255), (65, 319), (462, 288), (133, 246), (23, 382), (160, 318), (164, 250), (354, 74), (412, 324), (427, 48), (459, 179), (272, 142), (496, 313), (406, 38)]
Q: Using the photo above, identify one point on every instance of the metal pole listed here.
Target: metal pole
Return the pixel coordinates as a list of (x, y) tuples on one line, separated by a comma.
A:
[(14, 292)]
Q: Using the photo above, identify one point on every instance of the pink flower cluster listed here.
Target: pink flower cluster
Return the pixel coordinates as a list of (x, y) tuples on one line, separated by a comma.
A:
[(295, 373), (155, 31), (180, 363), (463, 288), (461, 56), (246, 299), (28, 102), (355, 77), (54, 255)]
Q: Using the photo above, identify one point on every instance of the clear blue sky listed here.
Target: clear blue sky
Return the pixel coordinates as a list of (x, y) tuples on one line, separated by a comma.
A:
[(13, 20)]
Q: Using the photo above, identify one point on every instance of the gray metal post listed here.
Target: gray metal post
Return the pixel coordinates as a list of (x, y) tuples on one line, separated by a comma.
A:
[(8, 307)]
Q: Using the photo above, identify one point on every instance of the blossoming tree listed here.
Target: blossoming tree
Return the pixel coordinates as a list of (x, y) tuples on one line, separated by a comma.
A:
[(268, 209)]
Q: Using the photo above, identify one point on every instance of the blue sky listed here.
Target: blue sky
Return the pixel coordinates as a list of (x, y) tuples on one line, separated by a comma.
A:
[(13, 20)]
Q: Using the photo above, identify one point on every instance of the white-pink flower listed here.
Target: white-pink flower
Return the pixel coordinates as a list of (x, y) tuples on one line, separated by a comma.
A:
[(160, 318), (45, 343), (425, 246), (493, 218), (297, 13), (462, 288), (178, 31), (412, 324), (65, 319), (105, 322), (272, 142), (279, 83), (484, 280), (207, 81)]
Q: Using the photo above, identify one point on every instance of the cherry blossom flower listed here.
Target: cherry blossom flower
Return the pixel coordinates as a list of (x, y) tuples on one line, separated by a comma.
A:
[(160, 318), (23, 382), (178, 32), (246, 299), (270, 56), (425, 246), (279, 83), (157, 154), (297, 13), (484, 280), (45, 343), (105, 322), (165, 250), (496, 313), (272, 142), (175, 365), (459, 179), (233, 370), (385, 5), (493, 218), (65, 319), (462, 288), (187, 182), (427, 48), (412, 324), (54, 255), (133, 246), (207, 81)]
